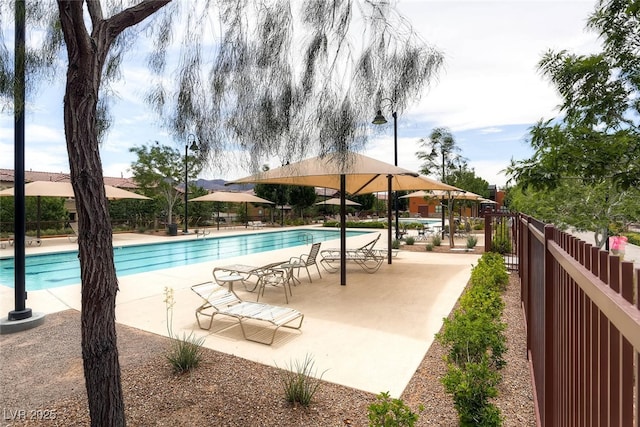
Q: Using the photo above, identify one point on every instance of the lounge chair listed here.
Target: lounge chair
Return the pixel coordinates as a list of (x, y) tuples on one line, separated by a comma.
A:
[(368, 258), (202, 232), (256, 225), (220, 301), (267, 275), (28, 240), (73, 237), (306, 260)]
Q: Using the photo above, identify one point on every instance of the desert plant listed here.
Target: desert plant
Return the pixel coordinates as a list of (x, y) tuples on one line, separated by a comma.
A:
[(388, 412), (299, 383), (184, 353), (395, 244), (429, 247), (410, 240), (436, 240), (472, 241)]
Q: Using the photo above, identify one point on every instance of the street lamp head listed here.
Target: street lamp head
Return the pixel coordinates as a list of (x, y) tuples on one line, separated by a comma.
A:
[(379, 119), (191, 138)]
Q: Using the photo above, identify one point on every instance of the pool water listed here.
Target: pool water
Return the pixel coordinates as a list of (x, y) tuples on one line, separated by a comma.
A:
[(63, 268)]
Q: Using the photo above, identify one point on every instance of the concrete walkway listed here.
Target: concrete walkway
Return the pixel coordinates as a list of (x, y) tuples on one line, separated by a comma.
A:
[(371, 334)]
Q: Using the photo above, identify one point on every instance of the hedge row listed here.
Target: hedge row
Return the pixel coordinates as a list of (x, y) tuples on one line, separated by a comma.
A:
[(474, 337)]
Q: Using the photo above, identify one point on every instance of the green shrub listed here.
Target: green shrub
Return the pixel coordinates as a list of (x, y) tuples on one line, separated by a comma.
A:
[(298, 381), (388, 412), (436, 240), (471, 388), (472, 241), (410, 240), (632, 238), (395, 244), (471, 337), (475, 342), (429, 247), (490, 271)]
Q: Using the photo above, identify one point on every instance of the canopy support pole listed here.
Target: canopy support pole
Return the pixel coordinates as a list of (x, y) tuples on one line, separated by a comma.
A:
[(343, 230)]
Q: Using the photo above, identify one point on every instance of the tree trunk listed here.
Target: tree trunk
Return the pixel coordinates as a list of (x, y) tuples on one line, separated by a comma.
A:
[(86, 56), (95, 248), (97, 269)]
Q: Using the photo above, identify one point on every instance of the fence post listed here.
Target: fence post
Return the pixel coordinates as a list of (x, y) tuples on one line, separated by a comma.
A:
[(487, 231), (549, 325)]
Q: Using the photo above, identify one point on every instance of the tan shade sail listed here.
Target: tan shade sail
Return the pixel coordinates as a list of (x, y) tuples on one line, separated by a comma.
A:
[(230, 196), (439, 194), (336, 201), (363, 175), (64, 189)]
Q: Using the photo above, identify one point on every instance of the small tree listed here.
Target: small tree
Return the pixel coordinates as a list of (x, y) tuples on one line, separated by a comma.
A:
[(159, 170)]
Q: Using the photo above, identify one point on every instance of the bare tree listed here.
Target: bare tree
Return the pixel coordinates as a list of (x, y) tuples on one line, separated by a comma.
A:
[(282, 81)]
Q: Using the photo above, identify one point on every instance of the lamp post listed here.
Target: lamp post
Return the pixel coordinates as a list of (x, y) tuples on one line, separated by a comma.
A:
[(380, 120), (193, 147)]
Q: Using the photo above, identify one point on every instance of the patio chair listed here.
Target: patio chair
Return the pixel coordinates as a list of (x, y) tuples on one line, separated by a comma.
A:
[(220, 301), (306, 260), (366, 257)]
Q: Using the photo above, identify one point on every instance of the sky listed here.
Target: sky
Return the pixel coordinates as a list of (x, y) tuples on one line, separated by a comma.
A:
[(488, 94)]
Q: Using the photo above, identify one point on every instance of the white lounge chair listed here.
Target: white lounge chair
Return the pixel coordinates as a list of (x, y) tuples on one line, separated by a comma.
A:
[(267, 275), (73, 237), (368, 258), (202, 232), (28, 240), (256, 225), (220, 301)]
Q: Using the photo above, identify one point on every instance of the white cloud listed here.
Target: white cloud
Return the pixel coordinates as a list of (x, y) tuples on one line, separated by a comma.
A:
[(488, 94)]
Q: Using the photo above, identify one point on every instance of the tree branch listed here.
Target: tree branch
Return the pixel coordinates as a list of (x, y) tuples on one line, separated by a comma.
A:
[(134, 15)]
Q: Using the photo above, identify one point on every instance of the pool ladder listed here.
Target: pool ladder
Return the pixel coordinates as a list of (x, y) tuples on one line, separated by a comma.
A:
[(307, 237)]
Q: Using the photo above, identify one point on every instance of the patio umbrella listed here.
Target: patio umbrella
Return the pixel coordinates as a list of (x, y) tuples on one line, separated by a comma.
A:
[(231, 197), (65, 189), (351, 173), (336, 202)]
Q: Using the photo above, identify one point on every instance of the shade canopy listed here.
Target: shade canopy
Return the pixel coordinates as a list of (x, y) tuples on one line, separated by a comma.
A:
[(336, 201), (65, 189), (349, 173), (230, 196), (439, 194), (363, 175)]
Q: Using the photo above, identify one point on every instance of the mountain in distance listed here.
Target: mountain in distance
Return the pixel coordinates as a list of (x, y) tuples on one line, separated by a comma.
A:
[(218, 185)]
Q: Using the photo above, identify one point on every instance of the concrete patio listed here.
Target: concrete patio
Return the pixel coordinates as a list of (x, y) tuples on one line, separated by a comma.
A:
[(370, 334)]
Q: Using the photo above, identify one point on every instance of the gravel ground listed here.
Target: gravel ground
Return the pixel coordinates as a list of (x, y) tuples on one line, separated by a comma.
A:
[(224, 390)]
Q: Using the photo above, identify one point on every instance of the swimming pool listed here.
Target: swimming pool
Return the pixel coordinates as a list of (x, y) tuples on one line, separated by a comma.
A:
[(63, 268)]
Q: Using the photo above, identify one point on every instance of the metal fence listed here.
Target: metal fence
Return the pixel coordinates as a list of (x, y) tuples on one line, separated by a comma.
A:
[(582, 315), (501, 235)]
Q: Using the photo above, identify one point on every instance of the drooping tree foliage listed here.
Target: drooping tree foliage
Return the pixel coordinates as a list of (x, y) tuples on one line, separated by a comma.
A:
[(596, 141), (270, 77)]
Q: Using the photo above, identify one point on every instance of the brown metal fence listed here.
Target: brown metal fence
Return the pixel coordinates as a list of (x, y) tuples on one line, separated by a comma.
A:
[(582, 315)]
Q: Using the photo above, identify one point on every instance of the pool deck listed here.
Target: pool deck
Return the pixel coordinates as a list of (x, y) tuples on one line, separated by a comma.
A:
[(370, 334)]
